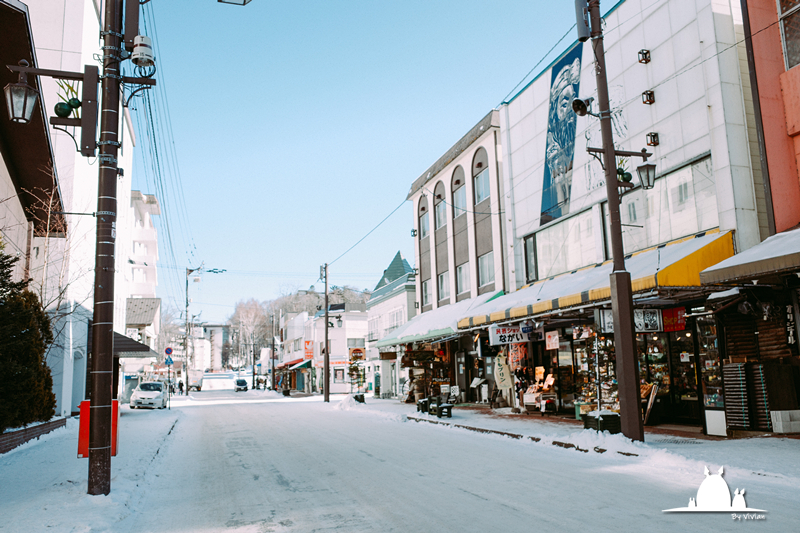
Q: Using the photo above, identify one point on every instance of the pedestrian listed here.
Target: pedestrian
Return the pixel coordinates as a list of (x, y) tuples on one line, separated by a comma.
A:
[(180, 387)]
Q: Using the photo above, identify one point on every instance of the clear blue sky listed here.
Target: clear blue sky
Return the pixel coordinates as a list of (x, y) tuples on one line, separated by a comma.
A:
[(298, 126)]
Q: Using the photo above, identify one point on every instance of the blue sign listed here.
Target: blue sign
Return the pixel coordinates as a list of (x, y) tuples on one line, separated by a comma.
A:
[(527, 329), (168, 361), (168, 351)]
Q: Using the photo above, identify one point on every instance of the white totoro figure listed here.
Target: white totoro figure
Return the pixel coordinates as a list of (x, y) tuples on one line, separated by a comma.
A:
[(738, 500), (692, 502), (714, 493)]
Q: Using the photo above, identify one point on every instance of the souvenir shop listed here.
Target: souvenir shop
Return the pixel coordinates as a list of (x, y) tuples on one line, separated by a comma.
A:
[(757, 317)]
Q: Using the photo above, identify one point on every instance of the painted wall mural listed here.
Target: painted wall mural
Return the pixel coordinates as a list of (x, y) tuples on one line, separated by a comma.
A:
[(560, 147)]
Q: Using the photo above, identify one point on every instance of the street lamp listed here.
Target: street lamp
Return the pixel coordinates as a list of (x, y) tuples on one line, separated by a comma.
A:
[(235, 2), (647, 175), (21, 98)]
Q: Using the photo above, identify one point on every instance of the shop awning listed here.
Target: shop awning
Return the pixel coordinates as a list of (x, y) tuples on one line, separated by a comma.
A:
[(435, 324), (777, 255), (302, 364), (290, 363), (127, 347), (674, 265)]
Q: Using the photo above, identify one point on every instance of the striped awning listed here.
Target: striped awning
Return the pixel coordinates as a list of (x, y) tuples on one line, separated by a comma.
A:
[(436, 324), (673, 265)]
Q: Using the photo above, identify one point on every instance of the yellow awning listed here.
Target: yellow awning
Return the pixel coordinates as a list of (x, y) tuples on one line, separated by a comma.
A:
[(673, 265)]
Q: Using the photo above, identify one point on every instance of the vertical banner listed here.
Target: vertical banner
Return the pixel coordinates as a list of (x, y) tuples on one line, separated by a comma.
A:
[(560, 146), (551, 340), (502, 374), (517, 355)]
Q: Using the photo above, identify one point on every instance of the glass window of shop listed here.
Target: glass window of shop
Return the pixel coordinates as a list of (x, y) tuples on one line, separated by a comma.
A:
[(709, 361), (681, 203), (565, 246)]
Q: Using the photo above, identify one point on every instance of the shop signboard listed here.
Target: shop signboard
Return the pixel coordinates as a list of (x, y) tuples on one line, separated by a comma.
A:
[(309, 349), (551, 340), (508, 335), (356, 354), (502, 374), (791, 329), (674, 319), (644, 321)]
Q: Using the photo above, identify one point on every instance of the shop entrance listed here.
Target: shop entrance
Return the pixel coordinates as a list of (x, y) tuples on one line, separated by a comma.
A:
[(669, 361)]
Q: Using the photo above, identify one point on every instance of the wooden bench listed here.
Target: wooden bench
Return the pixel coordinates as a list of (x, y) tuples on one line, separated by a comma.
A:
[(437, 407)]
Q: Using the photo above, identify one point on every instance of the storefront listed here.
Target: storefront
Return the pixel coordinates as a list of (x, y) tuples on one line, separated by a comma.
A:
[(432, 351), (757, 318), (576, 345)]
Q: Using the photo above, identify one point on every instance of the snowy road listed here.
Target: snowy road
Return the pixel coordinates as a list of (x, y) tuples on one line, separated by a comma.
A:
[(266, 464)]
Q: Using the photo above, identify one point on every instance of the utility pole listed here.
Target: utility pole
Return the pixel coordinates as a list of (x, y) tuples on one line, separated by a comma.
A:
[(621, 293), (272, 348), (326, 360), (102, 377)]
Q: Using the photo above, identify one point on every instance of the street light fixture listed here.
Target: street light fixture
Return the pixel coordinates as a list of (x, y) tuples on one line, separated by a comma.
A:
[(647, 175), (235, 2), (21, 98)]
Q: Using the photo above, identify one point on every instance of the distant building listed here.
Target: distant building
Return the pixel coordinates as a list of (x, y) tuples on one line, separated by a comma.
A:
[(391, 304)]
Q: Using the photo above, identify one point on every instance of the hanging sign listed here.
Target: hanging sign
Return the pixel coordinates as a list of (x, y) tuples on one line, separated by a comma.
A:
[(309, 349), (674, 319), (791, 329), (644, 320), (508, 335), (551, 340), (502, 373)]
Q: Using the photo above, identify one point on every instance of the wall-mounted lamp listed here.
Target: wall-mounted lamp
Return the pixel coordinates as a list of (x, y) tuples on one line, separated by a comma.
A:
[(644, 56), (413, 233), (648, 97), (21, 98), (652, 139)]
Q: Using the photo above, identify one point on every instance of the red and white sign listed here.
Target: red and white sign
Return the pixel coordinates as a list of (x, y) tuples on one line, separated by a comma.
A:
[(551, 340), (674, 319), (309, 349)]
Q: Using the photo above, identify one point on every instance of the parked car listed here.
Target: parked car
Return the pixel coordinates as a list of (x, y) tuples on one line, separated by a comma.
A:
[(241, 385), (149, 394)]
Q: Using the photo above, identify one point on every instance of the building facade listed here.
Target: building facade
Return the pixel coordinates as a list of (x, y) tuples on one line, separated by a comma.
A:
[(391, 304)]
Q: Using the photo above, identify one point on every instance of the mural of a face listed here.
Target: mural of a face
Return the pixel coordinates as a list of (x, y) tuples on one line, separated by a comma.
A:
[(561, 127)]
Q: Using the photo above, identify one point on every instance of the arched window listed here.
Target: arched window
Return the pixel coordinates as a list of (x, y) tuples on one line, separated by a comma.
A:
[(480, 175), (439, 206), (424, 225), (459, 192)]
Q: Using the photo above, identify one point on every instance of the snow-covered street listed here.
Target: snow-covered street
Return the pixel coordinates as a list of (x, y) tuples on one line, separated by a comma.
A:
[(258, 462)]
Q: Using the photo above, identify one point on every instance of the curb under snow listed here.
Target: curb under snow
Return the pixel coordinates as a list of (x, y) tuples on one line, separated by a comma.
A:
[(560, 444)]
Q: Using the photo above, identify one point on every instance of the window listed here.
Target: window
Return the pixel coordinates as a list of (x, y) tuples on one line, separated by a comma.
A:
[(486, 269), (462, 278), (565, 246), (426, 292), (338, 375), (459, 201), (424, 228), (632, 212), (395, 319), (373, 327), (681, 203), (355, 343), (790, 31), (481, 186), (444, 285), (440, 214), (530, 258)]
